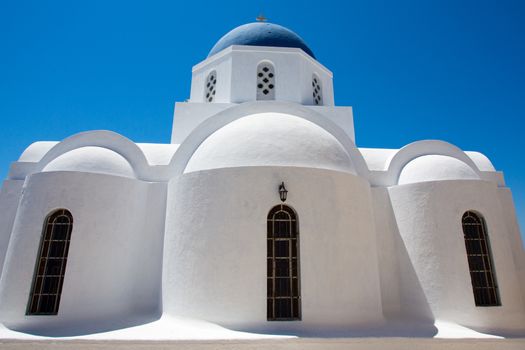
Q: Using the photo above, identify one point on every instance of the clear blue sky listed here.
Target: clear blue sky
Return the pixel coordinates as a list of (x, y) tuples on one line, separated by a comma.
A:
[(446, 69)]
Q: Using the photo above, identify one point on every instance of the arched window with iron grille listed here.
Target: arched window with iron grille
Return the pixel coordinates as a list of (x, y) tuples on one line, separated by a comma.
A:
[(51, 263), (283, 284), (481, 266)]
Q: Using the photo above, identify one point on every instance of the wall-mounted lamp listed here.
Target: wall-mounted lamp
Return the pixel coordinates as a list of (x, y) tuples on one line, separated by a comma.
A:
[(282, 192)]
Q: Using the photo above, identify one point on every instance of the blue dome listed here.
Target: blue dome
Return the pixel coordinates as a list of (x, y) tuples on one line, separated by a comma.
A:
[(261, 34)]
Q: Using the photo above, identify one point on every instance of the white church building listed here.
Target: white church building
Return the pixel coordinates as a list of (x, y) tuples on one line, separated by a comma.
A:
[(260, 223)]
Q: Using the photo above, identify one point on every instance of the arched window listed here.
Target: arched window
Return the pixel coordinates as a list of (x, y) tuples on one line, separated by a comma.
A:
[(51, 264), (283, 295), (480, 263), (265, 81), (317, 92), (211, 82)]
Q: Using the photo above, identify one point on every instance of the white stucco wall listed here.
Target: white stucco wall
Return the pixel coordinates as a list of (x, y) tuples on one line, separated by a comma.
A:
[(113, 272), (513, 230), (428, 216), (9, 197), (215, 247)]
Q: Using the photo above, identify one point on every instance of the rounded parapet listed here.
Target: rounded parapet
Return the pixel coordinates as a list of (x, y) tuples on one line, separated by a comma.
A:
[(283, 123), (435, 168), (93, 160), (439, 160), (271, 139)]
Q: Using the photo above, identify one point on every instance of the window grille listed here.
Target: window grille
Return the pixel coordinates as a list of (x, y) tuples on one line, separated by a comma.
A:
[(265, 81), (283, 294), (51, 264), (317, 92), (211, 82), (480, 263)]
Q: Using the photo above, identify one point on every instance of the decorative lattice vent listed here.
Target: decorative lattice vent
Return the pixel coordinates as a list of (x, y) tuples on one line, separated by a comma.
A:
[(265, 81), (211, 82), (317, 92)]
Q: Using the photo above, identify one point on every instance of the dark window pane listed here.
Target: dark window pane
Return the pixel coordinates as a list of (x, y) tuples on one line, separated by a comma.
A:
[(282, 229), (282, 287), (269, 309), (476, 262), (281, 215), (53, 267), (283, 308), (62, 219), (473, 246), (47, 304), (269, 267), (282, 268), (282, 248), (56, 249), (269, 285), (50, 284), (60, 231), (470, 231)]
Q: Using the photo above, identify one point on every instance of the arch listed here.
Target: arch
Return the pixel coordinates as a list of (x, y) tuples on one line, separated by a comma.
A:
[(206, 128), (283, 278), (271, 139), (104, 139), (424, 148), (317, 90), (50, 267), (210, 88), (435, 168), (92, 160), (265, 81), (479, 255)]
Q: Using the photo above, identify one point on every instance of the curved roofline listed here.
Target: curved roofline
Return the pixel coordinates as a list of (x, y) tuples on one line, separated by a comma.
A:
[(208, 127), (261, 34), (425, 148)]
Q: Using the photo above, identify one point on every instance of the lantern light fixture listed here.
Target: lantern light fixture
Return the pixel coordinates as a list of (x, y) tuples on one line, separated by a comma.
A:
[(283, 193)]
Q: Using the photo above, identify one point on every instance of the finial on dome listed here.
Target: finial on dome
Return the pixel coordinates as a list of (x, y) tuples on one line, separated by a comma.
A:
[(261, 18)]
